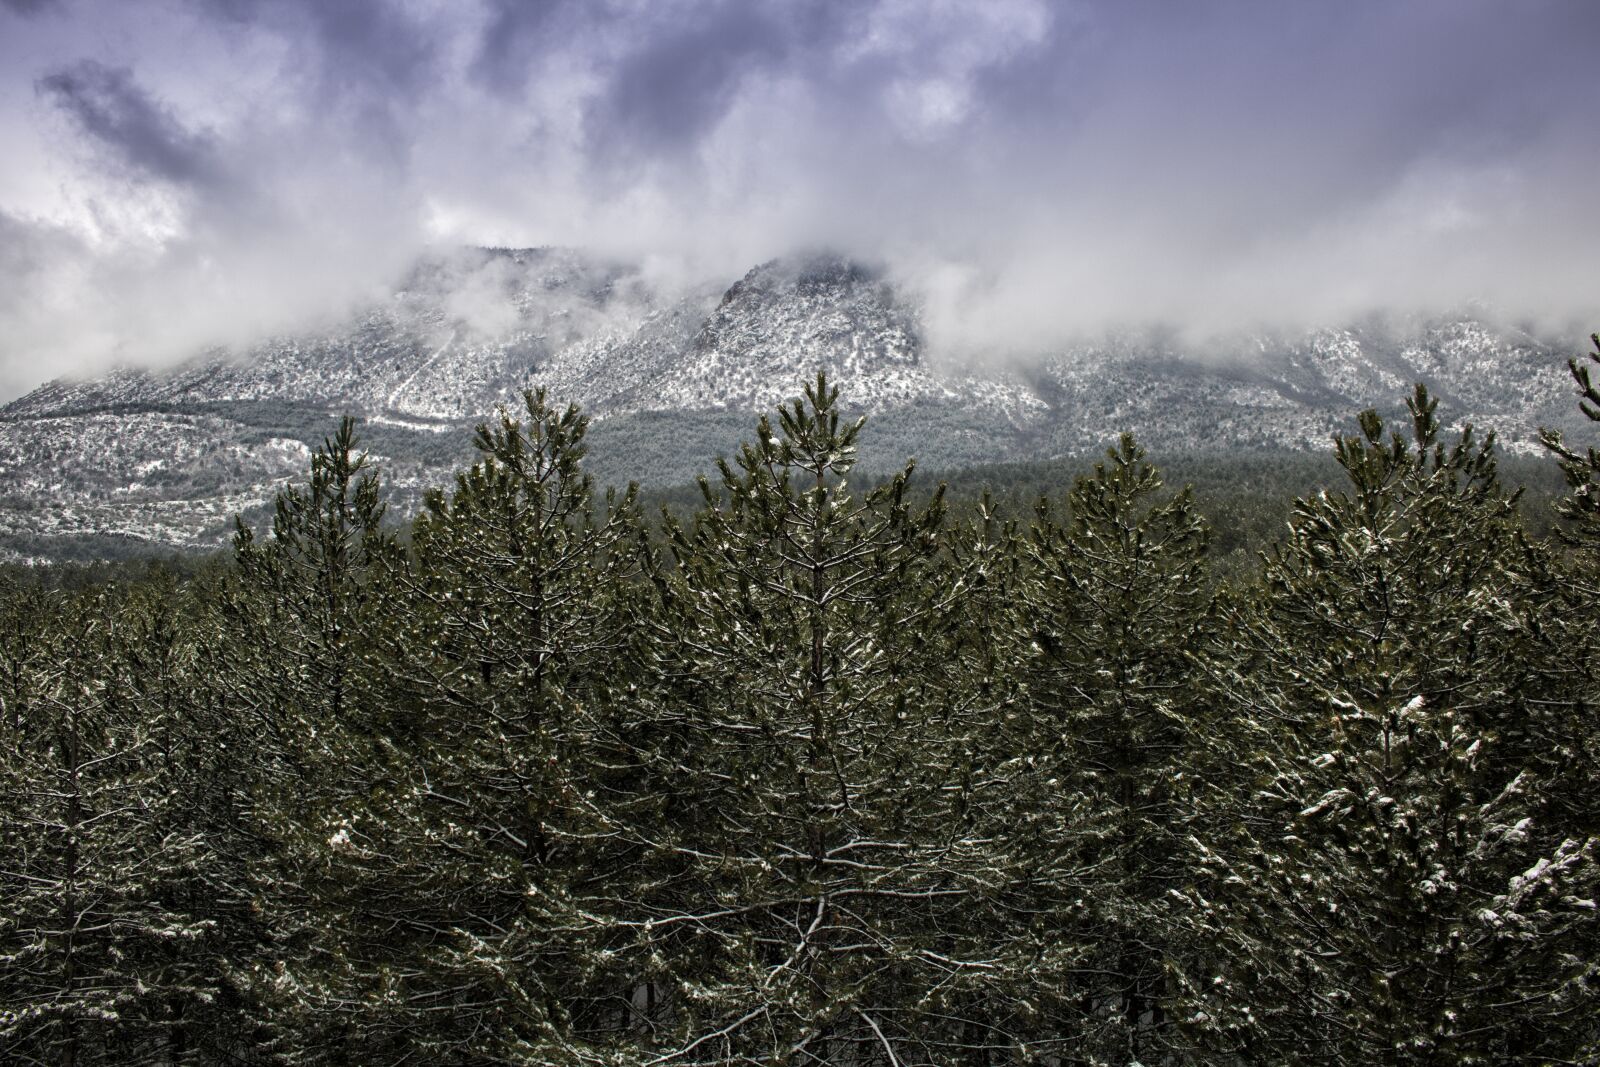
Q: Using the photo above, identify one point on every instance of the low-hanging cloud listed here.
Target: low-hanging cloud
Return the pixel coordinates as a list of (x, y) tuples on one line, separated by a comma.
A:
[(206, 171)]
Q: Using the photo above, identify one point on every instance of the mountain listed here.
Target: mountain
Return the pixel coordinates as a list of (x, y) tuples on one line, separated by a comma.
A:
[(672, 375)]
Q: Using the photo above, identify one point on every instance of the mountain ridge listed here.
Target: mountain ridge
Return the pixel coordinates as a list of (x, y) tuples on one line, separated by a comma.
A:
[(671, 376)]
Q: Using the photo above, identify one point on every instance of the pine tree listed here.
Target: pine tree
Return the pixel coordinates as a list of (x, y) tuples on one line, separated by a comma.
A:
[(485, 829), (1389, 897), (1112, 602), (988, 1015), (104, 954), (300, 618), (1581, 469), (1564, 729), (1566, 733), (24, 651), (804, 626), (193, 754)]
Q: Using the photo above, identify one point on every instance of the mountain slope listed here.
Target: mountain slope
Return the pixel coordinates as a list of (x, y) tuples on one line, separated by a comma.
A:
[(672, 376)]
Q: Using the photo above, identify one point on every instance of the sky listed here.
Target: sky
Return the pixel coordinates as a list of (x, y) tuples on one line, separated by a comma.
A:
[(181, 173)]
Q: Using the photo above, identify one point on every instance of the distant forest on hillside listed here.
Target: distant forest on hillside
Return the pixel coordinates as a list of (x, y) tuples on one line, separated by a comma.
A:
[(1295, 764)]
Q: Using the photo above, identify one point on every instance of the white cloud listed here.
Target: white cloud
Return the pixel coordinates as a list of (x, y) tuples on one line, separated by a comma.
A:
[(1036, 168)]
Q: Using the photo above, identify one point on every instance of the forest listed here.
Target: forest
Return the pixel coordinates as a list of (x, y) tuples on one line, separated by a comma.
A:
[(811, 772)]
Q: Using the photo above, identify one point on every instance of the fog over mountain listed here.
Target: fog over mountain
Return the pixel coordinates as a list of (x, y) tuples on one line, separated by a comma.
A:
[(138, 460), (197, 172)]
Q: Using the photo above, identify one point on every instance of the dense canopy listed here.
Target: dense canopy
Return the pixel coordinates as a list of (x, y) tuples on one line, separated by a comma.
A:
[(819, 773)]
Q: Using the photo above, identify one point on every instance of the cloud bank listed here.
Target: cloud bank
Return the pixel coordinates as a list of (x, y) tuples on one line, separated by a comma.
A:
[(194, 172)]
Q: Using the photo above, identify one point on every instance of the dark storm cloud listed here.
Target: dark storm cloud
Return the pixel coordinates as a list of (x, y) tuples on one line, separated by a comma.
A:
[(517, 33), (117, 116), (667, 93), (1036, 169), (366, 61), (28, 7), (367, 44), (672, 90), (670, 71)]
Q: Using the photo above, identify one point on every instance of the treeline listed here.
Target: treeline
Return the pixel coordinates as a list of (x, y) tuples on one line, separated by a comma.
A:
[(814, 775)]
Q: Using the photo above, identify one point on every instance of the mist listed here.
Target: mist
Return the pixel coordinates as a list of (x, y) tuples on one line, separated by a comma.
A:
[(192, 173)]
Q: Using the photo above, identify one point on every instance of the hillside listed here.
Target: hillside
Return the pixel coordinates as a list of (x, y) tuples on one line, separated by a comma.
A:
[(672, 376)]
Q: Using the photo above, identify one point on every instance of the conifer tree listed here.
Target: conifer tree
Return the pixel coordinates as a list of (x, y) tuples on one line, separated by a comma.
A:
[(192, 759), (485, 830), (300, 619), (1112, 604), (1391, 898), (1564, 728), (1581, 469), (25, 608), (987, 711), (805, 625), (1566, 733), (104, 948)]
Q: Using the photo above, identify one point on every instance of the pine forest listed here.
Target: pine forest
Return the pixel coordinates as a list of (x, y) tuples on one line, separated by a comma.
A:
[(817, 771)]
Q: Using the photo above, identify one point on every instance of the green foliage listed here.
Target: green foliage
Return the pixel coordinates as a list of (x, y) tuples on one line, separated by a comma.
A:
[(1581, 470), (826, 766), (1397, 901), (483, 836), (106, 949), (802, 627), (1111, 603)]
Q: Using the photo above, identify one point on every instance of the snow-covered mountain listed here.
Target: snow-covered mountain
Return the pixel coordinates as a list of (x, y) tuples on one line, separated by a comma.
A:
[(470, 333), (672, 375)]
